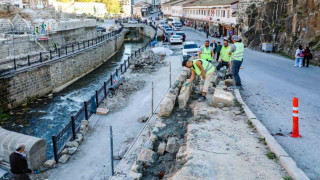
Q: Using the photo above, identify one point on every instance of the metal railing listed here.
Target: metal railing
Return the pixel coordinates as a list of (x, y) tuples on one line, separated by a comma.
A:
[(54, 54), (68, 133)]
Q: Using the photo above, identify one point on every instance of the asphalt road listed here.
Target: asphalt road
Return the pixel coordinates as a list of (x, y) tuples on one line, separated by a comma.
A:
[(270, 82)]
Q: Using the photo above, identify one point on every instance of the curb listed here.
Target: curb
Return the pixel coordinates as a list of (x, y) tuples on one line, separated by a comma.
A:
[(286, 161)]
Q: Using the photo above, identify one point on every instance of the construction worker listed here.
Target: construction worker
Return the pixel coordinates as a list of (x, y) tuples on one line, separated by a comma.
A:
[(206, 52), (236, 52), (205, 70), (224, 56)]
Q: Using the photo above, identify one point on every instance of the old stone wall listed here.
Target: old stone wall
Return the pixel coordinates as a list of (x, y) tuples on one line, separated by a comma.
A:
[(32, 83), (285, 23)]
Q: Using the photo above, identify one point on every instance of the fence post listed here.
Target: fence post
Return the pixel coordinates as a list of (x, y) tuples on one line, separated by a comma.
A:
[(78, 46), (50, 54), (121, 67), (105, 89), (40, 57), (116, 71), (111, 80), (54, 146), (111, 148), (86, 110), (84, 45), (14, 63), (88, 43), (66, 49), (73, 126), (97, 98), (28, 60), (135, 53), (59, 52), (72, 47), (125, 65)]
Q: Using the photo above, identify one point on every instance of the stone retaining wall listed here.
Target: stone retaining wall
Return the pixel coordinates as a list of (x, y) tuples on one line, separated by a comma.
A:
[(36, 148), (32, 83)]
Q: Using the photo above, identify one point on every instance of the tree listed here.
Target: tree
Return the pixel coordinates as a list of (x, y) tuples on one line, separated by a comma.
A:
[(113, 6)]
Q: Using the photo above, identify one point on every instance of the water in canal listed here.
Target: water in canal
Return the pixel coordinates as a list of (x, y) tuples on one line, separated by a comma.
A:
[(45, 117)]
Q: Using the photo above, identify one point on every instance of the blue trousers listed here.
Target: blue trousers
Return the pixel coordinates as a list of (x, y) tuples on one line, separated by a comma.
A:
[(235, 67)]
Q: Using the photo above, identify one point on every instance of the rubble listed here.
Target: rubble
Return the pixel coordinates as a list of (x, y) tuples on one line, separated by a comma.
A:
[(162, 148), (147, 156), (64, 158), (172, 145), (49, 163)]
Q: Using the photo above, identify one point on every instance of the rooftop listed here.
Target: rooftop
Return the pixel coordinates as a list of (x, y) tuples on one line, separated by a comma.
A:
[(212, 2)]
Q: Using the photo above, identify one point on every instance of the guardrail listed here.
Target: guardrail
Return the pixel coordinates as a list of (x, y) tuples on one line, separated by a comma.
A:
[(68, 133), (54, 54)]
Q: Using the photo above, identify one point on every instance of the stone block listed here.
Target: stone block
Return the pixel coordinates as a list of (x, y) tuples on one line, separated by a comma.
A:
[(185, 93), (167, 105), (64, 158), (72, 150), (148, 144), (181, 152), (50, 164), (135, 175), (72, 144), (85, 122), (65, 151), (162, 148), (172, 145), (221, 96), (143, 119), (147, 156), (102, 111), (160, 125), (229, 82), (79, 138), (153, 138), (136, 167), (123, 151)]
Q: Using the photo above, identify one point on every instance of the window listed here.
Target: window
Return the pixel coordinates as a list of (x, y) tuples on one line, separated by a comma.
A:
[(197, 12), (218, 13), (228, 15), (209, 13)]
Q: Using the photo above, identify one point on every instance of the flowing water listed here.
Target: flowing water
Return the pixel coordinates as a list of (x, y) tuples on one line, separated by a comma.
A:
[(45, 117)]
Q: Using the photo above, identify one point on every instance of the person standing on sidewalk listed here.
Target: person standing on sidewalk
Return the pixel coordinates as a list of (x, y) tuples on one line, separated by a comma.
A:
[(225, 57), (236, 52), (205, 70), (299, 56), (18, 164), (218, 49), (307, 56), (206, 52), (214, 46)]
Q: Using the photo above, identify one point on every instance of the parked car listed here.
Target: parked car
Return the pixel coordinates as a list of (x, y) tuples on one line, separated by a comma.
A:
[(190, 49), (157, 18), (133, 21), (175, 39), (181, 33), (161, 25), (168, 31), (176, 26), (166, 26), (151, 12)]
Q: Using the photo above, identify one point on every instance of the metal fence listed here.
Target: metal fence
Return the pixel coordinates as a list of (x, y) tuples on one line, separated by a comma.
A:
[(73, 126), (54, 54)]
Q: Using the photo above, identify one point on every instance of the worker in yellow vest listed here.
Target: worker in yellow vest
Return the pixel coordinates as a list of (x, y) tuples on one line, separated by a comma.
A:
[(206, 52), (205, 70), (224, 56), (236, 52)]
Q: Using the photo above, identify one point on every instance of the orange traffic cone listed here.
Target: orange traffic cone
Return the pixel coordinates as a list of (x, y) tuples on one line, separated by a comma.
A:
[(295, 113)]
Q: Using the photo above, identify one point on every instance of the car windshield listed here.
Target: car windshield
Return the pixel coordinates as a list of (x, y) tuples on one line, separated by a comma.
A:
[(168, 29), (176, 36), (178, 25), (190, 46), (180, 34)]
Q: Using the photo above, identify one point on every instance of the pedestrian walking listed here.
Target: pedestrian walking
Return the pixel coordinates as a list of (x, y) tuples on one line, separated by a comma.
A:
[(206, 52), (236, 52), (43, 28), (225, 57), (307, 56), (18, 164), (214, 46), (205, 70), (218, 49), (299, 56), (207, 31), (55, 46)]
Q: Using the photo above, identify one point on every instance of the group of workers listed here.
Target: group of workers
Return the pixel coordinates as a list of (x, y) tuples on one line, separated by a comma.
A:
[(230, 56)]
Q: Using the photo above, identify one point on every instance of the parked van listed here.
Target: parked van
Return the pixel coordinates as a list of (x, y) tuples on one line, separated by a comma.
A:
[(176, 26)]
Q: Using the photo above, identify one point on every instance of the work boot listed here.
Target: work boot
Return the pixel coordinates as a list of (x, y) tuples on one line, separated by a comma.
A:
[(202, 98)]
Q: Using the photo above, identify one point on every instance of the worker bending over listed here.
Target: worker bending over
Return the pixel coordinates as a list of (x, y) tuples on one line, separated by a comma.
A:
[(205, 70)]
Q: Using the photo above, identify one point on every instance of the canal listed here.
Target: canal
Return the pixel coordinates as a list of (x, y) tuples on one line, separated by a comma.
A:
[(46, 116)]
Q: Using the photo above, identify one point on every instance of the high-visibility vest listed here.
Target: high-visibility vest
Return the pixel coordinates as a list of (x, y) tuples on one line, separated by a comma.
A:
[(224, 53), (238, 54), (207, 66), (206, 53)]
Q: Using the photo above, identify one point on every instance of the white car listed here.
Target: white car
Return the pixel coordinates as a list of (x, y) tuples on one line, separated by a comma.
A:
[(175, 39), (133, 22), (190, 48), (168, 31)]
